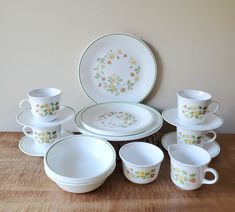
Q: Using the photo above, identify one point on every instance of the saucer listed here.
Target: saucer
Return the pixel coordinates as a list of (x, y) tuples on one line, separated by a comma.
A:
[(212, 121), (212, 148), (26, 118), (28, 146)]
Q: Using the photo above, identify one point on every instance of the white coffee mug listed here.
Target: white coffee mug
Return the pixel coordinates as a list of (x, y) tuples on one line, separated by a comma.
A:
[(44, 103), (200, 138), (193, 105), (189, 166), (43, 136)]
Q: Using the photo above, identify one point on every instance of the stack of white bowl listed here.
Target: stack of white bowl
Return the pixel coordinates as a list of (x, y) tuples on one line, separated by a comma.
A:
[(80, 163)]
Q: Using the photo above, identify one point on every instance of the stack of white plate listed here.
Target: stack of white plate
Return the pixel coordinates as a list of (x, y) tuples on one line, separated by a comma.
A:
[(119, 121), (117, 71)]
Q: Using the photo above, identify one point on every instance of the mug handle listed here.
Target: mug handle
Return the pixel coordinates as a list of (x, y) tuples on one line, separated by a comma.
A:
[(216, 107), (22, 102), (213, 138), (214, 172), (30, 134)]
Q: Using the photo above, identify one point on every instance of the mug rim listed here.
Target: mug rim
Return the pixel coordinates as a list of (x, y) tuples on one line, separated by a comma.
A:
[(189, 146), (181, 94), (56, 91), (43, 127)]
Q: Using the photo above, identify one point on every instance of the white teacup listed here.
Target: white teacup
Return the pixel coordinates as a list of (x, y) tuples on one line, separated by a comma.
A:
[(193, 105), (189, 166), (200, 138), (44, 103), (43, 136)]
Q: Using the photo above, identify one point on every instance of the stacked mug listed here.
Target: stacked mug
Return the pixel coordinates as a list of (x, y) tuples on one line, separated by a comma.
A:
[(44, 104), (189, 159), (193, 107)]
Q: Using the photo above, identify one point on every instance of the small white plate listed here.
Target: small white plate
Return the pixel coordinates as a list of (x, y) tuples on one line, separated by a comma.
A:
[(27, 145), (157, 124), (212, 148), (117, 67), (26, 118), (212, 121), (117, 119)]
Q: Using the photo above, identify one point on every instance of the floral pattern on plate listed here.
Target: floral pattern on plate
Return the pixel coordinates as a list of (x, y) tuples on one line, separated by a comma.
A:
[(47, 109), (189, 139), (182, 177), (117, 119), (45, 137), (141, 174), (196, 112), (115, 83)]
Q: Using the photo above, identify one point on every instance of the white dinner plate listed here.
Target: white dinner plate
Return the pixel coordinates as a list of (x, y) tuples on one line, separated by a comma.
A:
[(117, 119), (117, 67), (27, 145), (212, 148), (212, 121), (156, 126), (26, 118)]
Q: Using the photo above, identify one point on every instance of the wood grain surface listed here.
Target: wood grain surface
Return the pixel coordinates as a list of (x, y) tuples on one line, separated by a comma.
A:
[(25, 187)]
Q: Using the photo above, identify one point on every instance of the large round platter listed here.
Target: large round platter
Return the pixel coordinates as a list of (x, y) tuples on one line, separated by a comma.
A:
[(117, 119), (212, 121), (155, 127), (117, 67)]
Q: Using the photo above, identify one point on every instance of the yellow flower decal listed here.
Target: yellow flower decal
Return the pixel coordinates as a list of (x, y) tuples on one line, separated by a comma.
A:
[(45, 137), (182, 176), (47, 109), (142, 174), (196, 112), (189, 139), (118, 119), (112, 82), (132, 61)]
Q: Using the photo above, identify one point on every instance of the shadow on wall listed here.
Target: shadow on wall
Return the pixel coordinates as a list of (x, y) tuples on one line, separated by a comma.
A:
[(159, 74), (166, 128)]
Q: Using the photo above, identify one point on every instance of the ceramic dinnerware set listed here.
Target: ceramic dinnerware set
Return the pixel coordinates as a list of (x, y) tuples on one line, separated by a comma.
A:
[(191, 147), (118, 71), (42, 117)]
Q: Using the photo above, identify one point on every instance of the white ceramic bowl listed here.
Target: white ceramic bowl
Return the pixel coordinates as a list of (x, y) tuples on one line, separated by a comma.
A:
[(80, 159), (80, 188), (141, 161), (75, 184)]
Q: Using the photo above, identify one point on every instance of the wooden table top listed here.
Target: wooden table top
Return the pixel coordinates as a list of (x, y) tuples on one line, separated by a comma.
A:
[(25, 187)]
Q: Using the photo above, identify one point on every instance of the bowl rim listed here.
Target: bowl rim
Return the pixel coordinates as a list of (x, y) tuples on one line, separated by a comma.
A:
[(83, 183), (138, 165), (65, 178)]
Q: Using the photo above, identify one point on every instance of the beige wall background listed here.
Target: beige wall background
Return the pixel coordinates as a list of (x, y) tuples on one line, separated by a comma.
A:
[(41, 42)]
